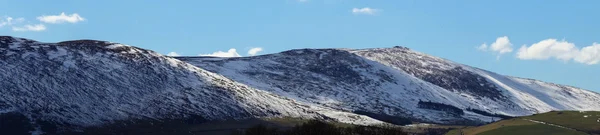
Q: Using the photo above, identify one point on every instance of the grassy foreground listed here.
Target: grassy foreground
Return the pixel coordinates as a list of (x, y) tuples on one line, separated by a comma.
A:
[(535, 129), (582, 121), (551, 123)]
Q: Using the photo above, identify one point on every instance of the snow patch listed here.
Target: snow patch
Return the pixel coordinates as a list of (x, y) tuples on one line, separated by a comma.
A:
[(58, 53), (114, 46)]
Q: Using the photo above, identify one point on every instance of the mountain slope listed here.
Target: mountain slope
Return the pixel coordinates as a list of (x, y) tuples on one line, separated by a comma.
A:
[(397, 82), (531, 95), (86, 83), (89, 83)]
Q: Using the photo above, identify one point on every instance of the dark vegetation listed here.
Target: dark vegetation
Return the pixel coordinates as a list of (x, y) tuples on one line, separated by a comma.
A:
[(18, 124), (14, 124), (441, 107), (146, 127), (315, 127), (484, 113)]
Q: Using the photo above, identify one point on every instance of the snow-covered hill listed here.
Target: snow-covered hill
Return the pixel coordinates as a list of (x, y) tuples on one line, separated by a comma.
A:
[(397, 82), (487, 87), (87, 83)]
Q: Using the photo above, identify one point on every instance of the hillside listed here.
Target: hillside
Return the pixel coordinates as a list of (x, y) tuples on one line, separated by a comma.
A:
[(83, 84), (555, 122), (393, 84), (87, 83)]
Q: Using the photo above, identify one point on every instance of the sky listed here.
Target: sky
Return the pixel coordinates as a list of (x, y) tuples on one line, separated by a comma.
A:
[(549, 40)]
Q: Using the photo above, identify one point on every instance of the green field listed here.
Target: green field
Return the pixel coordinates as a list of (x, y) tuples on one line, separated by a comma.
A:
[(535, 129), (495, 125), (574, 123), (571, 119)]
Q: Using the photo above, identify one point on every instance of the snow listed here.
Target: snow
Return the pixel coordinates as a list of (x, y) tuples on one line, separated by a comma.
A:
[(532, 97), (342, 97), (382, 85), (58, 53), (351, 118), (420, 125), (88, 87), (29, 54), (14, 45), (8, 53), (114, 46), (97, 85)]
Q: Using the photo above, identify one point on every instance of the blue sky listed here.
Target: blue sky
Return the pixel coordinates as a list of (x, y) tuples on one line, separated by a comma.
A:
[(450, 29)]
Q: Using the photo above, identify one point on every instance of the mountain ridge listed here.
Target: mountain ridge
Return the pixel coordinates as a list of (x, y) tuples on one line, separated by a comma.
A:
[(353, 49), (91, 82), (428, 72)]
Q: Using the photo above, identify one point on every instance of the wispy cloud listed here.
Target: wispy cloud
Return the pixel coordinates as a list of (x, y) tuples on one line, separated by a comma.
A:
[(482, 47), (16, 23), (37, 27), (501, 46), (4, 22), (365, 11), (230, 53), (302, 1), (62, 18), (8, 21), (254, 51), (173, 54), (560, 50)]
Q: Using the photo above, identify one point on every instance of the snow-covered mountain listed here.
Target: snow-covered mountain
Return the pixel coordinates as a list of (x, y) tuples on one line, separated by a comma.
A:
[(87, 83), (397, 82)]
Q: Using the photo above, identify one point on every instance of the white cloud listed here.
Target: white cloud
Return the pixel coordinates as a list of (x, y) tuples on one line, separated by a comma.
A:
[(173, 54), (62, 18), (365, 11), (501, 46), (549, 48), (560, 50), (589, 55), (37, 27), (233, 53), (254, 51), (230, 53)]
